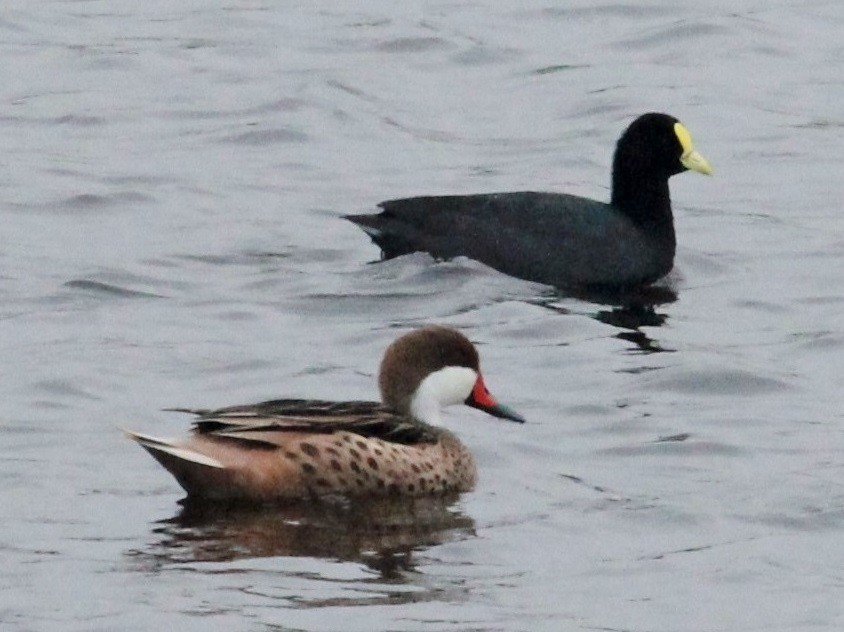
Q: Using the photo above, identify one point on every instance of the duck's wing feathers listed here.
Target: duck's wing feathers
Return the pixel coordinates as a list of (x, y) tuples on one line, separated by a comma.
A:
[(368, 419)]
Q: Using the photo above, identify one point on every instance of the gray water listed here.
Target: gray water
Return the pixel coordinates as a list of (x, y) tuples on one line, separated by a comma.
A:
[(173, 176)]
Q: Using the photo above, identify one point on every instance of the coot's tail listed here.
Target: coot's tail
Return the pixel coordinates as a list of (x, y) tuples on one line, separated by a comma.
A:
[(386, 232)]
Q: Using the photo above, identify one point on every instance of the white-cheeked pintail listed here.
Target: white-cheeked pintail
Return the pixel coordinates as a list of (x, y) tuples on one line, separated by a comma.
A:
[(295, 448)]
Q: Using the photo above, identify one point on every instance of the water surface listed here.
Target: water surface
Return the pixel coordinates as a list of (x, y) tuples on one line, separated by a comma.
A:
[(173, 179)]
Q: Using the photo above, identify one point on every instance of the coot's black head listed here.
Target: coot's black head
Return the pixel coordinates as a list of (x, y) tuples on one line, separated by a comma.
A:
[(651, 150), (657, 145)]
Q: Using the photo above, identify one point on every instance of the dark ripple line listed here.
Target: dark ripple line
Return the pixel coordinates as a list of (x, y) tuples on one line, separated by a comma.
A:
[(107, 288)]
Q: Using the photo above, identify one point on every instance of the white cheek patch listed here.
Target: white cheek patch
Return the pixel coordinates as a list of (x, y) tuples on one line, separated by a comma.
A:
[(449, 385)]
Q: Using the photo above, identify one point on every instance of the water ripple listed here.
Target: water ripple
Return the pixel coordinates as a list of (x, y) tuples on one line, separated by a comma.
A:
[(98, 288)]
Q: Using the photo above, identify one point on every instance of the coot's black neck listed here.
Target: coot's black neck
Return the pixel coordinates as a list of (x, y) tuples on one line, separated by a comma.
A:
[(644, 197)]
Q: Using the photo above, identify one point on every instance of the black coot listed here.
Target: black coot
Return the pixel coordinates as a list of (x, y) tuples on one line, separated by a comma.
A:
[(561, 240)]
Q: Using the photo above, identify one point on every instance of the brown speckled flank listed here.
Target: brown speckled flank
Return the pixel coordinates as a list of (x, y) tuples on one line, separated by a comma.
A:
[(292, 449), (305, 465)]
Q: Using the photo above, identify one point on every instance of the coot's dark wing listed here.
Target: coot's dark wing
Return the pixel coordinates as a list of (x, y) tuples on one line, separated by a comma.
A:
[(561, 240)]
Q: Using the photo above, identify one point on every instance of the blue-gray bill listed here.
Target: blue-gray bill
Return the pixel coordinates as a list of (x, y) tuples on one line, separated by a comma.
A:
[(498, 410)]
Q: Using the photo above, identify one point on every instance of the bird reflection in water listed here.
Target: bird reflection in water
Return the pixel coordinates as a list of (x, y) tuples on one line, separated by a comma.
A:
[(630, 318), (628, 310), (382, 533)]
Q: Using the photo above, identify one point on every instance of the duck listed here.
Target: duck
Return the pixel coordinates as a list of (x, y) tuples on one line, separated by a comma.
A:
[(299, 449), (565, 241)]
